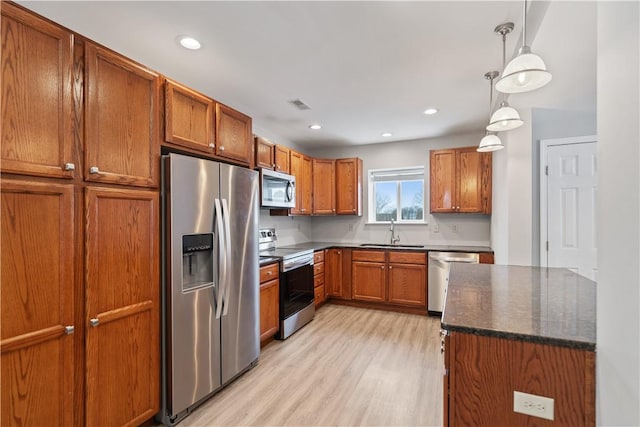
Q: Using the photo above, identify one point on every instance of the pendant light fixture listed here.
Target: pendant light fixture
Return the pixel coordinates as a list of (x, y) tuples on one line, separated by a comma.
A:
[(490, 142), (525, 72), (506, 117)]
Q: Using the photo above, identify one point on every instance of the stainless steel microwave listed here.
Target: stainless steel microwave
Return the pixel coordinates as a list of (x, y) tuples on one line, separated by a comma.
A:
[(277, 189)]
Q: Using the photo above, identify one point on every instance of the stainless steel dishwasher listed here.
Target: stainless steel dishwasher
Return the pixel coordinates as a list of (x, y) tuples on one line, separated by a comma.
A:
[(439, 266)]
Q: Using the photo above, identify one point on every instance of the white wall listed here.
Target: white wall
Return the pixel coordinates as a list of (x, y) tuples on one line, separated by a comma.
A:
[(472, 229), (618, 319)]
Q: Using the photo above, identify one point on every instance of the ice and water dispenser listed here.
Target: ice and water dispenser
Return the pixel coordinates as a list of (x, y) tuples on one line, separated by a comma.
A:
[(197, 261)]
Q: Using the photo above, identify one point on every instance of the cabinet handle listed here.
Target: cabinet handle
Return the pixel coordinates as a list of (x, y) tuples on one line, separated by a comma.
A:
[(269, 273), (94, 322), (222, 148), (94, 169), (69, 167), (69, 330), (212, 145)]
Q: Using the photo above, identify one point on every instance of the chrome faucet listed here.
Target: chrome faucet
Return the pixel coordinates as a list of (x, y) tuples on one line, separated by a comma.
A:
[(394, 239)]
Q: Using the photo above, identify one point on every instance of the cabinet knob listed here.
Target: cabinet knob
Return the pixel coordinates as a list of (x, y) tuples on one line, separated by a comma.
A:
[(333, 210), (94, 169), (277, 166), (269, 273), (94, 322), (339, 252), (69, 330), (212, 145), (273, 165), (69, 167), (222, 148), (390, 267), (382, 267)]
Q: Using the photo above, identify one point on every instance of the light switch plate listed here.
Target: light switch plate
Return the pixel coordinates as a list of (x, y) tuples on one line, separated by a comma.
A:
[(531, 404)]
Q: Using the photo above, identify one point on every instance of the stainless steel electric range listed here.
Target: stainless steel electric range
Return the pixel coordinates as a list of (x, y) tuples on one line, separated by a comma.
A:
[(296, 283)]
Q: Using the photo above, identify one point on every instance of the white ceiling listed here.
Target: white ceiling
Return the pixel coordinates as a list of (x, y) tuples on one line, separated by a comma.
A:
[(363, 67)]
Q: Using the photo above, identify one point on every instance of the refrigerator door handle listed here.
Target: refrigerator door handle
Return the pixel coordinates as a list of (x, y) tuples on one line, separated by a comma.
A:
[(222, 263), (227, 233)]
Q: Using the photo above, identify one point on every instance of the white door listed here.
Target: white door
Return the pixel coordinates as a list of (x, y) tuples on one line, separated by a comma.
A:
[(571, 187)]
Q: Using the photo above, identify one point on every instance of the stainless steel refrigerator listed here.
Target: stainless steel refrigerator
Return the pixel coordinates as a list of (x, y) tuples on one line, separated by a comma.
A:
[(210, 279)]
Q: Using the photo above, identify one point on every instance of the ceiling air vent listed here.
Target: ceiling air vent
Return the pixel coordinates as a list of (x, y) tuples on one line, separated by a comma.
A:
[(299, 104)]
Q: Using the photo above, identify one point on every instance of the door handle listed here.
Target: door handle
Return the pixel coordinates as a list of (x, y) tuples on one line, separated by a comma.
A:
[(221, 261), (227, 234)]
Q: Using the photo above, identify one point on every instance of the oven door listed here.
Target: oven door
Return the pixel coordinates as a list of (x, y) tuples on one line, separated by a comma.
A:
[(296, 290)]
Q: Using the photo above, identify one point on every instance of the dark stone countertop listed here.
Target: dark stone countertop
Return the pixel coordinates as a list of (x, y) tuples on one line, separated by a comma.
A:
[(316, 246), (268, 260), (542, 305)]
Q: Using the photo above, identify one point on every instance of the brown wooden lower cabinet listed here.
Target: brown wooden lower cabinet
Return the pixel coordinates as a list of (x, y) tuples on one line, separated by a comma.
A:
[(37, 306), (482, 373), (337, 273), (392, 277), (319, 294), (122, 306), (269, 301)]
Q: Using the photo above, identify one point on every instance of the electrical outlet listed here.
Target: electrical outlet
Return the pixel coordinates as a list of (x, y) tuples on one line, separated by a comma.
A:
[(531, 404), (435, 228), (454, 228)]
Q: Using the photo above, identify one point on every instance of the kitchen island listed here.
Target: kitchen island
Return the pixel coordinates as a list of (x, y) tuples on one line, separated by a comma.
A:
[(511, 330)]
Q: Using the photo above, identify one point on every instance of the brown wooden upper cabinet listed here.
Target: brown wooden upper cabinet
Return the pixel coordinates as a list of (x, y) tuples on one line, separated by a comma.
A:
[(265, 153), (188, 118), (122, 143), (282, 158), (37, 103), (301, 168), (324, 187), (233, 135), (460, 181), (349, 186)]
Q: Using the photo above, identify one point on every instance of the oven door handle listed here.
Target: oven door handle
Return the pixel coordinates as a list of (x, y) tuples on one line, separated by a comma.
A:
[(227, 235), (222, 258), (296, 264)]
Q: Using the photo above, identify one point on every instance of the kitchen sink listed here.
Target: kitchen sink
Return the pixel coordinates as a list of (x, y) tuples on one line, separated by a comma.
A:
[(388, 245)]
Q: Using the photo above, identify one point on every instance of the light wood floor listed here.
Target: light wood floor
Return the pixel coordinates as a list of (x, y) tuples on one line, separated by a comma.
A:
[(348, 367)]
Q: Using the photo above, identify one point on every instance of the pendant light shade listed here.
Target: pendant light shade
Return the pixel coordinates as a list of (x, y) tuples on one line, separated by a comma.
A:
[(490, 142), (525, 72), (504, 118)]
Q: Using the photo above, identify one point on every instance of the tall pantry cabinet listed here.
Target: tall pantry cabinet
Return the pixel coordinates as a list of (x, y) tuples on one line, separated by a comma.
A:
[(80, 308)]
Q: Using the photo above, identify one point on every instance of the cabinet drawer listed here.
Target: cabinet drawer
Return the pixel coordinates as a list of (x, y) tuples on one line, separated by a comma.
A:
[(318, 256), (371, 256), (318, 268), (269, 272), (318, 280), (407, 257)]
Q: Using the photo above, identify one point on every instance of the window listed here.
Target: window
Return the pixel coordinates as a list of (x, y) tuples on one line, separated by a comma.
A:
[(396, 194)]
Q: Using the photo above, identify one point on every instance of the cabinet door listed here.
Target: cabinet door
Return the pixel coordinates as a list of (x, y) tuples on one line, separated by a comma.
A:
[(324, 187), (318, 295), (122, 306), (233, 135), (408, 284), (296, 169), (122, 134), (269, 309), (188, 118), (349, 186), (333, 273), (307, 185), (443, 181), (469, 181), (368, 283), (282, 158), (37, 106), (265, 153), (36, 307)]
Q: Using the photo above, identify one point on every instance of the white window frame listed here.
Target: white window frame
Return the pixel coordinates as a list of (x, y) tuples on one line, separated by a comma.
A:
[(371, 214)]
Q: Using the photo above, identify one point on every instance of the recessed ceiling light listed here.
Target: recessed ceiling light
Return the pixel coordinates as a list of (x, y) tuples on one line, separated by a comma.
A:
[(189, 43), (386, 134), (430, 111), (315, 127)]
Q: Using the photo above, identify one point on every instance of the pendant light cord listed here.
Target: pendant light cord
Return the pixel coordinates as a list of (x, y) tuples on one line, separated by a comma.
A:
[(490, 96), (524, 25)]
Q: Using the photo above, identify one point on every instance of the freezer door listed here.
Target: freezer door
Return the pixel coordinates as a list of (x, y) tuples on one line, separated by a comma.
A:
[(239, 190), (193, 332)]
